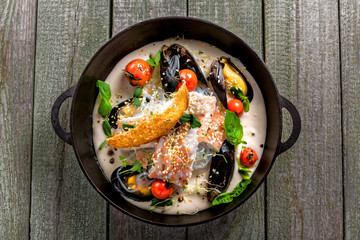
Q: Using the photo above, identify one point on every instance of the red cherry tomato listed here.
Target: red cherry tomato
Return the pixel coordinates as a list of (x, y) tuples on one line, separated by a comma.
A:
[(161, 190), (248, 157), (138, 72), (190, 79), (236, 106)]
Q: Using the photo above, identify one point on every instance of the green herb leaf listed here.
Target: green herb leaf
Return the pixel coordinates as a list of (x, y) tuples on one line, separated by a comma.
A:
[(200, 52), (155, 61), (107, 128), (123, 160), (152, 114), (104, 90), (126, 126), (137, 167), (229, 196), (155, 202), (233, 128), (244, 175), (102, 145), (194, 122), (137, 92), (137, 102), (236, 91), (104, 107), (185, 118)]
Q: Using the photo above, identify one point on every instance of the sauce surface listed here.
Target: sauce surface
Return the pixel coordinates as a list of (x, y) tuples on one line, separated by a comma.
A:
[(192, 198)]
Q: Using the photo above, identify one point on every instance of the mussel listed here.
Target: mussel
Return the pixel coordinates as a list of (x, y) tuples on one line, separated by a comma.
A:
[(173, 59), (221, 170), (225, 74), (133, 185)]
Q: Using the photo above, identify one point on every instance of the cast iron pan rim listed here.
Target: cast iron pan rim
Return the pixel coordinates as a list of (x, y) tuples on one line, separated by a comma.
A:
[(257, 58)]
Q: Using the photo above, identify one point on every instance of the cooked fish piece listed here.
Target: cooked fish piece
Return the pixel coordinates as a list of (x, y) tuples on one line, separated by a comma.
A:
[(174, 155)]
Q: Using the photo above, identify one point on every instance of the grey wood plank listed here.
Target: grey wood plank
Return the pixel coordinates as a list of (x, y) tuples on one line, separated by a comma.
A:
[(350, 62), (305, 186), (244, 19), (126, 13), (17, 49), (64, 205)]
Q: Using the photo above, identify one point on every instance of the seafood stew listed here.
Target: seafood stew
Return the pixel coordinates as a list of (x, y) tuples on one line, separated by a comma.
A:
[(196, 155)]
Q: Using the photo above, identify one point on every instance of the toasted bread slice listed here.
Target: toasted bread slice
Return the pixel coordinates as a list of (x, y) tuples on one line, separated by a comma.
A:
[(150, 128)]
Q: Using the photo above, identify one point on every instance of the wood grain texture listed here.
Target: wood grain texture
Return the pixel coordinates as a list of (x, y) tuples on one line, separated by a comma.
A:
[(17, 49), (64, 205), (244, 18), (350, 59), (126, 13), (305, 185)]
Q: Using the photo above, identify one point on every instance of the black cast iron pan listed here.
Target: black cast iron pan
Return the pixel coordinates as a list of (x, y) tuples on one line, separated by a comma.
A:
[(84, 95)]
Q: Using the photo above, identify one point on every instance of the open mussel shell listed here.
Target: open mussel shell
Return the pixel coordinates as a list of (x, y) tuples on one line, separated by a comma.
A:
[(217, 78), (221, 170), (173, 59), (119, 182)]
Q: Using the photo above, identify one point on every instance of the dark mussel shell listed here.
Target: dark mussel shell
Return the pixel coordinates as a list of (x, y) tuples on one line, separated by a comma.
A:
[(221, 170), (174, 59), (217, 79), (118, 181)]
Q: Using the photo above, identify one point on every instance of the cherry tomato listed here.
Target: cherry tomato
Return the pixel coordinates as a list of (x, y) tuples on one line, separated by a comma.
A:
[(248, 157), (190, 79), (236, 106), (161, 189), (138, 72)]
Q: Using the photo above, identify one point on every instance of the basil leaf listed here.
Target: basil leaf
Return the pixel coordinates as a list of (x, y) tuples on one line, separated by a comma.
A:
[(123, 160), (185, 118), (154, 61), (244, 175), (229, 196), (160, 203), (137, 92), (240, 188), (233, 128), (107, 128), (222, 198), (195, 123), (137, 167), (104, 90), (104, 107), (102, 145), (236, 91), (126, 126), (137, 102)]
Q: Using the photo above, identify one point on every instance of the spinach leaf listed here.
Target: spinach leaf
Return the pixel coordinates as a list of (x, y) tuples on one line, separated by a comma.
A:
[(137, 167), (136, 95), (154, 61), (229, 196), (236, 91), (161, 203), (194, 122), (233, 128), (107, 128), (102, 145)]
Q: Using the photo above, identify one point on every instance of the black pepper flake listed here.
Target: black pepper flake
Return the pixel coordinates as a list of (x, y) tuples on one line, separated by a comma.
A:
[(253, 134), (262, 145), (112, 160), (110, 152)]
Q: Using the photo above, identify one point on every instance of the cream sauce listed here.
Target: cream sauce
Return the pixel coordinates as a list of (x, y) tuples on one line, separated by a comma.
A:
[(254, 123)]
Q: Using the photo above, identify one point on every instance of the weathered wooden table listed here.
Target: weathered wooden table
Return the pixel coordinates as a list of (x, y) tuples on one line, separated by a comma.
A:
[(313, 51)]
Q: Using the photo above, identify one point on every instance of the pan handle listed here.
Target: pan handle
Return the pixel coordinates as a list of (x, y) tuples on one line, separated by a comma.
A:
[(66, 137), (284, 146)]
